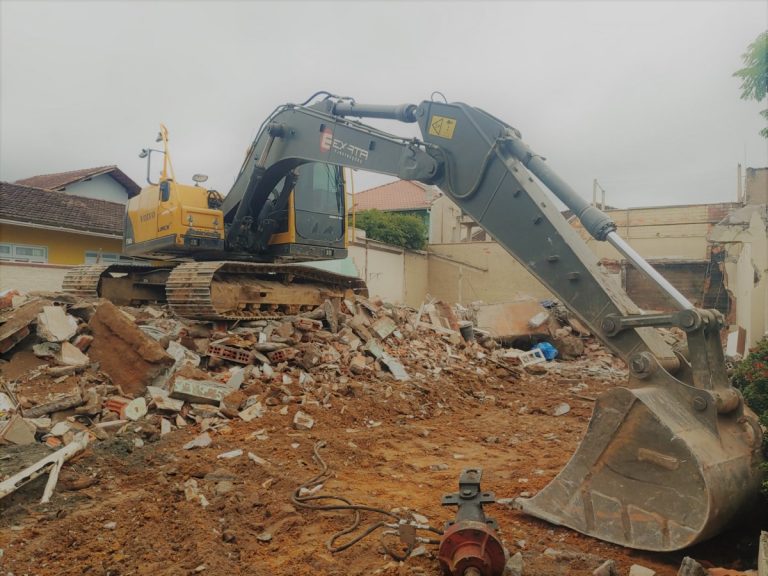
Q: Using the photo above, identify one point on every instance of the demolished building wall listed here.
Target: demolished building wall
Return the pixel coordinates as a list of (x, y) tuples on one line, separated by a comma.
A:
[(743, 235), (756, 186)]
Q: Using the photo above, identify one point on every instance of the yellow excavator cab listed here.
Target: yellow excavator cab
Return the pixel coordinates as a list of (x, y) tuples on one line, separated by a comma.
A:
[(173, 219), (170, 220)]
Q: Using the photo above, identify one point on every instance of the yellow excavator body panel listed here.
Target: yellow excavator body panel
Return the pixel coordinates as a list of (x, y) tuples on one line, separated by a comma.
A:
[(171, 218)]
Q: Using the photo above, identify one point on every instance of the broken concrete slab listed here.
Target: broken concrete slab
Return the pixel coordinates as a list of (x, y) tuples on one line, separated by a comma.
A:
[(198, 391), (7, 406), (383, 327), (512, 320), (358, 364), (17, 431), (637, 570), (55, 325), (183, 358), (44, 395), (238, 376), (374, 348), (395, 367), (255, 410), (46, 349), (136, 409), (689, 567), (303, 421), (514, 566), (70, 355), (202, 441), (14, 325), (159, 397), (126, 354)]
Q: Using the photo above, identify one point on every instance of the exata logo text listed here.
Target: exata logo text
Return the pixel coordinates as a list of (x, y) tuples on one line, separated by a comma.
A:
[(344, 149)]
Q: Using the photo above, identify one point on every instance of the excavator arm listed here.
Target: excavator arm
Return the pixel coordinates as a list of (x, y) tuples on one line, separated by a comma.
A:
[(294, 135), (667, 461)]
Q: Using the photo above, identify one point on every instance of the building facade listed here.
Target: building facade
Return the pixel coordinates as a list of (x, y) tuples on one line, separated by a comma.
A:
[(52, 222)]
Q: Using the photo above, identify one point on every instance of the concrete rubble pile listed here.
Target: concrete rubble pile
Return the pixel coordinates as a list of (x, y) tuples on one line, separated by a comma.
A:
[(75, 371), (72, 365)]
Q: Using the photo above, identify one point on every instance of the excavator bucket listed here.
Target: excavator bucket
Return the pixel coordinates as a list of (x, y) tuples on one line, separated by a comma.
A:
[(654, 474)]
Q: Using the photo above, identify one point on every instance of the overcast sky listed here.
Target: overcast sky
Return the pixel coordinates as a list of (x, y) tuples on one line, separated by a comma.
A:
[(639, 95)]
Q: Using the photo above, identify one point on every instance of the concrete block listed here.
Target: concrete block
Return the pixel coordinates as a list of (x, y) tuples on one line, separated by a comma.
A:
[(17, 431), (70, 355), (55, 325), (199, 391)]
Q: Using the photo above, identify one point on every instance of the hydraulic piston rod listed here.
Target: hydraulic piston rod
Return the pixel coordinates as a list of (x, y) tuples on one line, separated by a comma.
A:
[(647, 270), (401, 112), (597, 222)]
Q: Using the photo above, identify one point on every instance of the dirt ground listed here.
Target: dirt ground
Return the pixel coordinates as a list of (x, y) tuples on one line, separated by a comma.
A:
[(121, 509)]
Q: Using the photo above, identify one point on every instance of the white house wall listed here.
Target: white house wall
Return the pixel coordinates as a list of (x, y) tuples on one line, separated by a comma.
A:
[(102, 187)]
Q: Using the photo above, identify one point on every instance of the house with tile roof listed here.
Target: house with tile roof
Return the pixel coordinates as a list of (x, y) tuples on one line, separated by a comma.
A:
[(51, 222), (102, 183), (445, 221), (401, 196)]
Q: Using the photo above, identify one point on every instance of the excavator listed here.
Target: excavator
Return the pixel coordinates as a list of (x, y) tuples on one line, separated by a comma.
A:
[(668, 460)]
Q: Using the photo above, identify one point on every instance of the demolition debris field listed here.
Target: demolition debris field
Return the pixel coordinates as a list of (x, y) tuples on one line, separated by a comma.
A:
[(199, 434)]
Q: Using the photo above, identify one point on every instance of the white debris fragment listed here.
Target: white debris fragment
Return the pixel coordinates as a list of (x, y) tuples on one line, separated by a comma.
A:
[(202, 441), (255, 410), (257, 459), (230, 455), (561, 409), (303, 421)]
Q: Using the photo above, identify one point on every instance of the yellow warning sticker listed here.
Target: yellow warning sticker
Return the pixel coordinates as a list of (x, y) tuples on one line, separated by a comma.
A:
[(442, 126)]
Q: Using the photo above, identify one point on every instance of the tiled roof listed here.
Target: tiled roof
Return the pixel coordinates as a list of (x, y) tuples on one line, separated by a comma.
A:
[(37, 206), (61, 180), (399, 195)]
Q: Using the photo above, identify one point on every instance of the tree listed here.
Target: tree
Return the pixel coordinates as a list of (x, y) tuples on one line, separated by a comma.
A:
[(402, 230), (751, 377), (754, 75)]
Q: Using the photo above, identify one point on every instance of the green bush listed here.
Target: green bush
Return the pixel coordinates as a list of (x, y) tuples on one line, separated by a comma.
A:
[(751, 377), (402, 230)]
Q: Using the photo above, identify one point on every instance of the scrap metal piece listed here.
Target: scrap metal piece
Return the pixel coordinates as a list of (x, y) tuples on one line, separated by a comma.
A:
[(50, 464), (470, 545)]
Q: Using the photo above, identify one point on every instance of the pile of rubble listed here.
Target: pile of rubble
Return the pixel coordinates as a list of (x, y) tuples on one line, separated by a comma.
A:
[(75, 371), (74, 366)]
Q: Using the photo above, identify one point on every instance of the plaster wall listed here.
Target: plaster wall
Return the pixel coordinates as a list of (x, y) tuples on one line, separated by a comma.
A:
[(102, 187), (31, 277)]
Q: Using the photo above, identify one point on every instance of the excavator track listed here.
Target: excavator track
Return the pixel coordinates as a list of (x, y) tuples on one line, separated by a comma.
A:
[(250, 291), (214, 290), (83, 281), (120, 283)]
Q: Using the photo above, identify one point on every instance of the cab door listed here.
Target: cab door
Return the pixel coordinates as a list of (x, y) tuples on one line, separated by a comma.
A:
[(167, 209)]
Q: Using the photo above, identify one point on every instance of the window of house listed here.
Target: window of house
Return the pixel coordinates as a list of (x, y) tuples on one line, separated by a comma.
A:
[(23, 253), (96, 257)]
